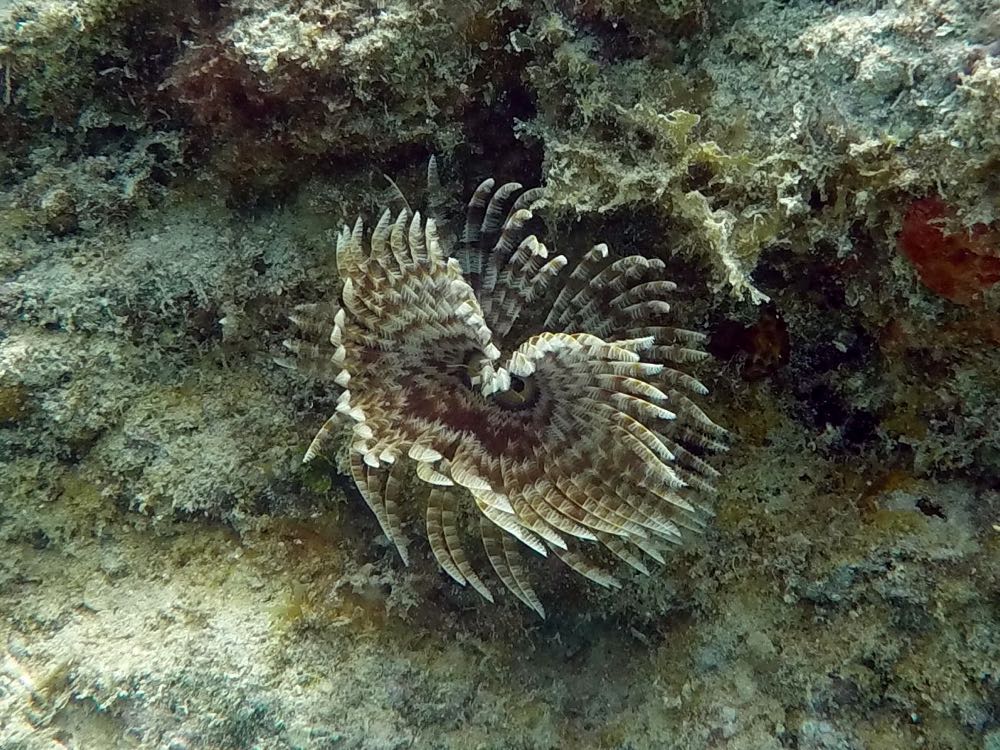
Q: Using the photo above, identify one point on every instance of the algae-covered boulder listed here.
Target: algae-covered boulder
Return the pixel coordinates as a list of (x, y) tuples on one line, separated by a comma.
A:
[(818, 178)]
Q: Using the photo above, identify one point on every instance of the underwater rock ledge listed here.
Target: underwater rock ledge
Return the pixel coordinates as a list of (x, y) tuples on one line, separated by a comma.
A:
[(818, 179)]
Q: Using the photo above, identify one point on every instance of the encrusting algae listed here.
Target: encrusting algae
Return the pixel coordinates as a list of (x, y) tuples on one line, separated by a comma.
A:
[(575, 436)]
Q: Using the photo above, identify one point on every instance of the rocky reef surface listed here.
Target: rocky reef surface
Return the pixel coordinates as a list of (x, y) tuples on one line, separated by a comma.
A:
[(822, 180)]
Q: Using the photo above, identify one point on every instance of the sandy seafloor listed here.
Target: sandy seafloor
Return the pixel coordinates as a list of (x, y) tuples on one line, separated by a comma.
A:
[(172, 578)]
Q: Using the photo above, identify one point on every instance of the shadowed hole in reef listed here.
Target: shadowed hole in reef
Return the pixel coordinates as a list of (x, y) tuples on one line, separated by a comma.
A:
[(929, 508), (491, 147)]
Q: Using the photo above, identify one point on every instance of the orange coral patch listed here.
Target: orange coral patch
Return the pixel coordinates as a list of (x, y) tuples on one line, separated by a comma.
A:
[(957, 266)]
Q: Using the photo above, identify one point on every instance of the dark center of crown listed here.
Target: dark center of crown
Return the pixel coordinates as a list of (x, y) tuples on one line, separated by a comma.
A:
[(522, 394)]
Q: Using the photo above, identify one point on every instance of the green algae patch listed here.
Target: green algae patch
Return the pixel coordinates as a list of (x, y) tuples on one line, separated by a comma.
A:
[(14, 403), (896, 522)]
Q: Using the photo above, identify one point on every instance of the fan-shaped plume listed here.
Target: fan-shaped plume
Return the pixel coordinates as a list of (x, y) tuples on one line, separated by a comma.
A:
[(579, 436)]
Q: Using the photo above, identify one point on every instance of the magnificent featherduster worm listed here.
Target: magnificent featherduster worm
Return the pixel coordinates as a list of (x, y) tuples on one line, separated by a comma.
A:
[(544, 409)]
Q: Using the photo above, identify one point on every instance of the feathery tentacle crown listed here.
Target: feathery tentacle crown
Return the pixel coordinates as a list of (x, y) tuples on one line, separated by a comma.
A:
[(579, 438)]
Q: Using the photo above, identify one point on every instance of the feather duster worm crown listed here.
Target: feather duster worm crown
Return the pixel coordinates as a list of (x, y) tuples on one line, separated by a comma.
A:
[(580, 439)]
